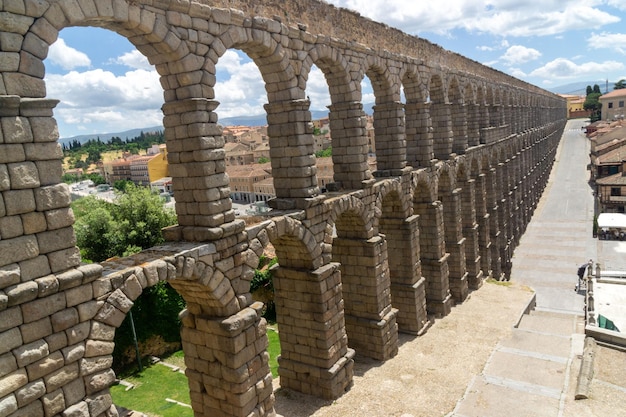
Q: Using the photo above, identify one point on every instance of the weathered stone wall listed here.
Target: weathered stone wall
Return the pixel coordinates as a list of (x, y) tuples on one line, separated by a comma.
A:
[(461, 165)]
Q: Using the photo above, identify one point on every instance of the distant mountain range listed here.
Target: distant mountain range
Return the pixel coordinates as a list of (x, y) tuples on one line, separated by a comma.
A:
[(257, 120), (580, 88)]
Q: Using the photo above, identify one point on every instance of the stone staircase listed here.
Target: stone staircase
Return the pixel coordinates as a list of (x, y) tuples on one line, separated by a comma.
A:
[(528, 374)]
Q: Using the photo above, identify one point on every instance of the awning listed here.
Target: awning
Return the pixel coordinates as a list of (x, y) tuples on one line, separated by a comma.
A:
[(612, 221)]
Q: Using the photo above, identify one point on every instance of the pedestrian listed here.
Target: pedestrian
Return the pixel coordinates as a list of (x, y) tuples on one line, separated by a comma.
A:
[(581, 274)]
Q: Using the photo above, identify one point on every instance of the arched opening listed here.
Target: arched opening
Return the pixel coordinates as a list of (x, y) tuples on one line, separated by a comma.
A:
[(454, 241), (419, 135), (370, 319), (114, 100), (405, 270), (387, 132), (434, 258)]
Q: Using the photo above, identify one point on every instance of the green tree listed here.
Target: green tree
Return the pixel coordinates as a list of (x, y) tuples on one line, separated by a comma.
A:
[(120, 185), (263, 160), (133, 223), (589, 90), (596, 89), (94, 227), (592, 103), (621, 84), (140, 216), (328, 152)]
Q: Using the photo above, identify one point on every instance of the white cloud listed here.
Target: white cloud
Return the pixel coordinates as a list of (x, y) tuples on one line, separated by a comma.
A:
[(516, 72), (317, 90), (611, 41), (135, 60), (67, 57), (497, 17), (618, 4), (563, 68), (518, 54), (113, 103), (240, 89)]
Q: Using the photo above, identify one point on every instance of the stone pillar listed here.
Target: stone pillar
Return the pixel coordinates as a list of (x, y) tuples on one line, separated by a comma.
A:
[(484, 121), (292, 150), (37, 232), (473, 125), (434, 259), (347, 124), (455, 244), (484, 222), (419, 134), (198, 169), (504, 215), (495, 116), (390, 139), (408, 292), (470, 231), (315, 358), (442, 130), (494, 229), (458, 112), (227, 364), (370, 318)]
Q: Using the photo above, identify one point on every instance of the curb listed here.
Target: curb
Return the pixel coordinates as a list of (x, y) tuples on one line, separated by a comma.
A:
[(586, 370)]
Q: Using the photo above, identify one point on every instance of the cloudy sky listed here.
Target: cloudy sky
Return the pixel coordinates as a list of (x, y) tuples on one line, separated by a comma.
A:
[(105, 85)]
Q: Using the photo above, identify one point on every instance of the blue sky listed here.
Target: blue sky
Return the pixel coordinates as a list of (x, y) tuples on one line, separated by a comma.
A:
[(105, 85)]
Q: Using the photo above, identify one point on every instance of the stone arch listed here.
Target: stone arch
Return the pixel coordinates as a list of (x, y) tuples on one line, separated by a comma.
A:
[(362, 255), (450, 196), (440, 118), (389, 118), (347, 118), (309, 301), (401, 231), (459, 116), (290, 237), (434, 259), (418, 130), (470, 192), (286, 107)]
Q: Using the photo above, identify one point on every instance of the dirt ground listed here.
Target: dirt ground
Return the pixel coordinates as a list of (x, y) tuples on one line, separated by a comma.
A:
[(431, 372)]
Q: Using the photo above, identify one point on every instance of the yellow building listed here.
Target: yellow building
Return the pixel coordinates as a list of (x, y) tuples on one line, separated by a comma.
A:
[(575, 106), (157, 165)]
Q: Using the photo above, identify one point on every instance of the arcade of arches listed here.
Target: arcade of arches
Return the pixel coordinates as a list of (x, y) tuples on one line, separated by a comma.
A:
[(463, 153)]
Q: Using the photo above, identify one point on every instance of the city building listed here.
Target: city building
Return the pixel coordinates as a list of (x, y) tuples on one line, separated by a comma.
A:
[(613, 104)]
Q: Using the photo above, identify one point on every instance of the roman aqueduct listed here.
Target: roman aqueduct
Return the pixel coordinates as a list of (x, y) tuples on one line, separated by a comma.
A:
[(463, 153)]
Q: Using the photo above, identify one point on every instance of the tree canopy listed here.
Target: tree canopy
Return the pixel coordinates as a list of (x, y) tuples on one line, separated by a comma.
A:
[(621, 84), (592, 102), (132, 223)]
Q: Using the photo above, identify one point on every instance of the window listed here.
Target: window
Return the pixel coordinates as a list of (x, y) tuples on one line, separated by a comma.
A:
[(621, 103), (616, 191), (610, 105)]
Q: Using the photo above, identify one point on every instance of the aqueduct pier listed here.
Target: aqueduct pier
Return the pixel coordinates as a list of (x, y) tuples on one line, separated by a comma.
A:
[(463, 153)]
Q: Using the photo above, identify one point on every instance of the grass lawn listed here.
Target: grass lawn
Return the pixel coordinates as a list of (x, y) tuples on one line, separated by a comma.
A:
[(273, 350), (158, 382), (152, 387)]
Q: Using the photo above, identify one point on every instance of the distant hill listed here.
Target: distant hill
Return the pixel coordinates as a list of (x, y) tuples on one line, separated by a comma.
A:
[(256, 120), (105, 137), (580, 88)]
